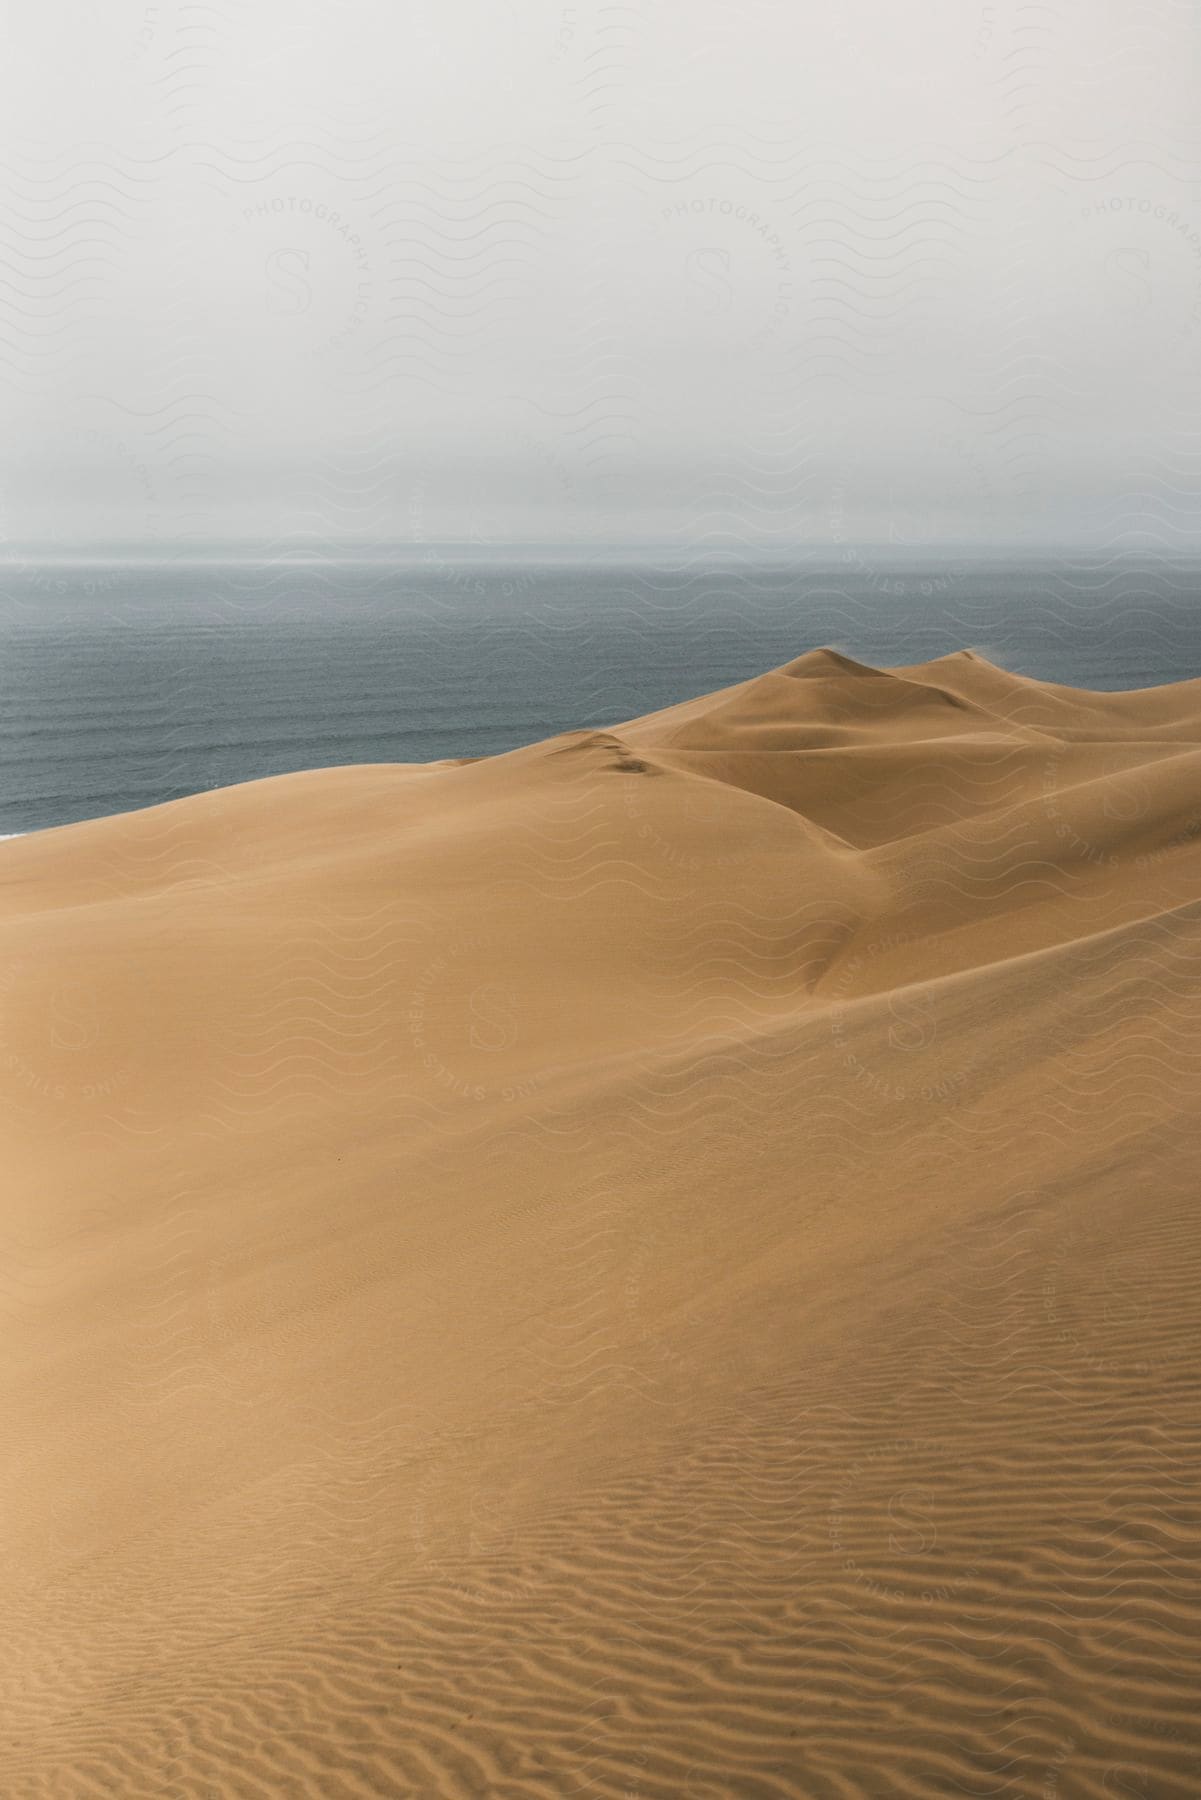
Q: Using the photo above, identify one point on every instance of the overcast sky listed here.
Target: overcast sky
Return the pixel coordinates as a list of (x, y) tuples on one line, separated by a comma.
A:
[(319, 279)]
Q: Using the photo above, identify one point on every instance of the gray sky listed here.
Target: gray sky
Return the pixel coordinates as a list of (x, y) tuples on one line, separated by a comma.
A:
[(328, 280)]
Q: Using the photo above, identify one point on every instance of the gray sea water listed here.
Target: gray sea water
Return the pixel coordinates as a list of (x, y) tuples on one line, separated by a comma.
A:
[(123, 686)]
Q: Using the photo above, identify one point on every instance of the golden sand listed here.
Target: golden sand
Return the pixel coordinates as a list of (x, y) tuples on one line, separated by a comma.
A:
[(662, 1264)]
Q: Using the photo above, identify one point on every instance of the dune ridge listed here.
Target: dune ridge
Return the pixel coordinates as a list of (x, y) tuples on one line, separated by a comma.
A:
[(660, 1264)]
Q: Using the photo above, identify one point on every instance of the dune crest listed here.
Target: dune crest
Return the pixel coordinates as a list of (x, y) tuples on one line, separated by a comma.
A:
[(663, 1263)]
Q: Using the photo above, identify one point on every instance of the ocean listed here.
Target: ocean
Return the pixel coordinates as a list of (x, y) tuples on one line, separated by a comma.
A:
[(126, 685)]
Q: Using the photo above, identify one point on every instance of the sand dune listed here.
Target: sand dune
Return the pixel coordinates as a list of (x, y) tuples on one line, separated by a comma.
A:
[(662, 1264)]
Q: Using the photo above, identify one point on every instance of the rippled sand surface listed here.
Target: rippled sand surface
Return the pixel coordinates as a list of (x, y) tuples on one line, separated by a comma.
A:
[(660, 1264)]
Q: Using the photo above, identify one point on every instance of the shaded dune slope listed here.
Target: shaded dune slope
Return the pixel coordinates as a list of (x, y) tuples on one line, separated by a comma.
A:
[(661, 1264)]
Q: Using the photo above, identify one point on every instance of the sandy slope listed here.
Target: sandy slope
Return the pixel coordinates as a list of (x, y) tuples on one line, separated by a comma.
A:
[(660, 1264)]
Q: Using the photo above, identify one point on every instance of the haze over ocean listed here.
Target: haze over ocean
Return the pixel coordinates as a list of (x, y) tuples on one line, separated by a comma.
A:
[(297, 283)]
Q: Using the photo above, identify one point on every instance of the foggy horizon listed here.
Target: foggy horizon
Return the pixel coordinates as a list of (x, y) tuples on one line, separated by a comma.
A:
[(543, 276)]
